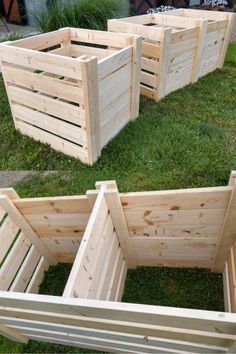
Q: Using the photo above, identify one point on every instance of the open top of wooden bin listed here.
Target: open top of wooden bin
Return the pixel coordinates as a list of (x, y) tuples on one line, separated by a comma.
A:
[(103, 234), (74, 89)]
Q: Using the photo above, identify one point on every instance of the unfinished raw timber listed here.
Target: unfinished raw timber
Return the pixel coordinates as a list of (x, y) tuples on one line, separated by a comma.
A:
[(178, 46), (216, 29), (103, 234), (74, 89)]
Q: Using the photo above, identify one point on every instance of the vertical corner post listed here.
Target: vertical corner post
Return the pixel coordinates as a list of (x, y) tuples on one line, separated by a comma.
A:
[(202, 26), (228, 232), (112, 197), (89, 69), (165, 41)]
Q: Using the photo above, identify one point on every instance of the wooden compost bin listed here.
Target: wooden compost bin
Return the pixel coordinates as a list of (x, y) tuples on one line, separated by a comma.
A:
[(178, 47), (217, 28), (74, 89), (103, 234)]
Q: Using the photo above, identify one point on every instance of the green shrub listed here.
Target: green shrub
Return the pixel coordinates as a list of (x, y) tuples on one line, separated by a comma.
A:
[(10, 37), (80, 13)]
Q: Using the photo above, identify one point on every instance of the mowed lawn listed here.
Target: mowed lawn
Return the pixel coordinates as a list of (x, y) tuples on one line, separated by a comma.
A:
[(186, 140)]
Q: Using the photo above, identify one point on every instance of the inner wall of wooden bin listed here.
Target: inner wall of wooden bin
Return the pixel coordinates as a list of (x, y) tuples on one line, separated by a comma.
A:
[(22, 265), (59, 223), (175, 229)]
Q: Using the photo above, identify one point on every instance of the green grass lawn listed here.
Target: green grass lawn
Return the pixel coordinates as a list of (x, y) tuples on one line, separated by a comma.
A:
[(186, 140)]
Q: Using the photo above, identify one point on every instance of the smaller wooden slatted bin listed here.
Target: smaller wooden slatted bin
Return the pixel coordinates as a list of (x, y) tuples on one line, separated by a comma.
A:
[(178, 47), (103, 234), (216, 37), (74, 89)]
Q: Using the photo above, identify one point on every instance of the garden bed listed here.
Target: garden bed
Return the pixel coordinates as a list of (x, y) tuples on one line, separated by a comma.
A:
[(104, 234), (74, 89)]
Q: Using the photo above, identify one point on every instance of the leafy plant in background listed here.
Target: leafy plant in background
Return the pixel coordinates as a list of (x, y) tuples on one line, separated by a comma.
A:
[(80, 13), (10, 37)]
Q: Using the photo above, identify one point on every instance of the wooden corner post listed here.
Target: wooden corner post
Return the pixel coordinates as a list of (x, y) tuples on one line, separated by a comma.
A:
[(202, 26), (117, 214), (231, 18), (228, 233), (89, 67), (163, 62), (136, 76)]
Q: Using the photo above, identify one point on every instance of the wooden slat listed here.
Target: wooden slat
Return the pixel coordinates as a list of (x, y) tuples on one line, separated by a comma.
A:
[(82, 265), (174, 252), (47, 62), (150, 50), (182, 199), (217, 328), (227, 300), (116, 40), (62, 246), (13, 261), (12, 334), (79, 50), (196, 217), (21, 223), (8, 232), (56, 126), (42, 41), (37, 277), (117, 60), (55, 142), (26, 270), (126, 26), (47, 105), (123, 337), (52, 86), (120, 224)]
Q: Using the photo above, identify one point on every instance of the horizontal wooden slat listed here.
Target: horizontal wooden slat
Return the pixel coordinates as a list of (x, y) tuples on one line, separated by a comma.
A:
[(116, 40), (150, 50), (182, 199), (175, 217), (52, 86), (113, 63), (60, 246), (88, 333), (174, 251), (47, 105), (176, 231), (219, 329), (79, 50), (55, 142), (47, 62), (42, 41), (53, 205), (56, 126), (149, 79), (57, 220), (114, 85)]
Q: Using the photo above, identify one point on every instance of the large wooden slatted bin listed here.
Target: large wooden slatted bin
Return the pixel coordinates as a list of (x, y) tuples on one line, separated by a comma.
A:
[(74, 89), (217, 30), (103, 234), (178, 47)]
